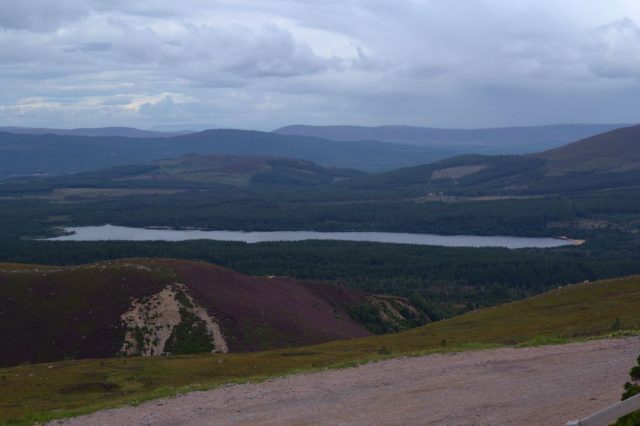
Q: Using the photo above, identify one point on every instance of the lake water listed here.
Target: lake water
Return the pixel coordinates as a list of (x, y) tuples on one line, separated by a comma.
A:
[(122, 233)]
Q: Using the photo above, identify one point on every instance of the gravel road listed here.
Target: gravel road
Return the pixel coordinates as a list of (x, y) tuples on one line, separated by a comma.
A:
[(546, 385)]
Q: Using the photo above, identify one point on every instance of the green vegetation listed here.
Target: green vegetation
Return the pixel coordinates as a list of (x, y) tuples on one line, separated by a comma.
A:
[(369, 315), (586, 191), (190, 172), (602, 162), (502, 195), (452, 280), (44, 391), (447, 280), (190, 336), (296, 195), (389, 317), (631, 389)]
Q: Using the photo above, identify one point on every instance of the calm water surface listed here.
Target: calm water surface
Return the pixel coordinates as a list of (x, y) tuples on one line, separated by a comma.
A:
[(122, 233)]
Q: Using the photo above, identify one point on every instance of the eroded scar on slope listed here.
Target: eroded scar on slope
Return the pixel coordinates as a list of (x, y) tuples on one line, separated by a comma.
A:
[(162, 324)]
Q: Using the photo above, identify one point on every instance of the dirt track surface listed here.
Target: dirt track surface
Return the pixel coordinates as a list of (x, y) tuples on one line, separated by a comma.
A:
[(533, 386)]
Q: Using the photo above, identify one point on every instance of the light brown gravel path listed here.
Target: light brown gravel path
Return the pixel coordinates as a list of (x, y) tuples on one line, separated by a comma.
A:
[(534, 386)]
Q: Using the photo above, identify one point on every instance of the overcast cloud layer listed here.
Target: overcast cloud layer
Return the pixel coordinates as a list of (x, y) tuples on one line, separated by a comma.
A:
[(262, 64)]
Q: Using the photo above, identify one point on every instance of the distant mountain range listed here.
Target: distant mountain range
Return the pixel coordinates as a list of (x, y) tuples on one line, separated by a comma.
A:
[(243, 158), (24, 154), (615, 152), (505, 140), (127, 132)]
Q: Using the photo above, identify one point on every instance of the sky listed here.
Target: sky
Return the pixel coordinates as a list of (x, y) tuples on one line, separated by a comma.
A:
[(262, 64)]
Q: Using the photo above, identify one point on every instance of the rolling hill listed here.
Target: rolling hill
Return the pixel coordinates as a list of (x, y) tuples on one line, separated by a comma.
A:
[(606, 161), (155, 307), (184, 173), (243, 171), (24, 154), (505, 140), (614, 151), (127, 132), (603, 161), (40, 392)]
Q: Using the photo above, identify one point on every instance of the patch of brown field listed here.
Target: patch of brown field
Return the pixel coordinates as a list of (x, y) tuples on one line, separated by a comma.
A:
[(452, 199), (589, 224), (217, 163), (70, 194), (456, 172), (79, 193), (25, 267)]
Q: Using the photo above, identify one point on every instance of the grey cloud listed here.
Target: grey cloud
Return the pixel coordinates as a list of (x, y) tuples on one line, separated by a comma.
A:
[(91, 47), (265, 51), (160, 108), (117, 101), (264, 63), (615, 50), (48, 15), (95, 46), (40, 15)]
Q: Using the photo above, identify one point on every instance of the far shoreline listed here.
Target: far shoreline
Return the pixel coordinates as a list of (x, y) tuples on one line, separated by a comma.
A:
[(572, 241)]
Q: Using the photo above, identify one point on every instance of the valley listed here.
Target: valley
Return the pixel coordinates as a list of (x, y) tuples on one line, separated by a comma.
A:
[(320, 265), (305, 212), (481, 196)]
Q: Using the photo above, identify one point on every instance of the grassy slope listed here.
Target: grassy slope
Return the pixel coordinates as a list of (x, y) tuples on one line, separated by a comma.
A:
[(46, 391)]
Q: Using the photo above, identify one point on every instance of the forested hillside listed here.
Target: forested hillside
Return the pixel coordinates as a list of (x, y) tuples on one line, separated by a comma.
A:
[(25, 154)]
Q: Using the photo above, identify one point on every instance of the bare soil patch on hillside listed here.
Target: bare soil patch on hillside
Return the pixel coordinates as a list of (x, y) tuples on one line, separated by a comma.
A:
[(457, 172), (544, 385)]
